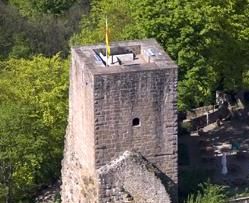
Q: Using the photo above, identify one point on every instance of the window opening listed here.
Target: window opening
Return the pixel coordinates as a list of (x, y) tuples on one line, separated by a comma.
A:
[(135, 122)]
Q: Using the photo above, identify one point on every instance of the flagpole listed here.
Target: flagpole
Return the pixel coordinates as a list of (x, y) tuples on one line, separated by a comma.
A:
[(106, 48), (106, 53)]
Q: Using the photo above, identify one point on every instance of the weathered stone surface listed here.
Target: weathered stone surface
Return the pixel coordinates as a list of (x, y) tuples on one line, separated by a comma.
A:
[(128, 107), (49, 194), (79, 185), (133, 176)]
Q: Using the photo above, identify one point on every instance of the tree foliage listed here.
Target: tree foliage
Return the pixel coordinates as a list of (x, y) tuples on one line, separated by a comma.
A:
[(24, 34), (92, 27), (52, 6), (208, 194), (33, 109), (209, 40), (34, 7)]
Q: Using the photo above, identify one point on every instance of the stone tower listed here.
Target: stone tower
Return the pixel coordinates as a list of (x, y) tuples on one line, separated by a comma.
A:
[(121, 142)]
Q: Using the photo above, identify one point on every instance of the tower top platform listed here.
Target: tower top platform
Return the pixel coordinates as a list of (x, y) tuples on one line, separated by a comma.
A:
[(126, 56)]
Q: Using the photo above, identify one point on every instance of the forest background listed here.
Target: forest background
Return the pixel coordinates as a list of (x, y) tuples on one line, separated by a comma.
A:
[(209, 40)]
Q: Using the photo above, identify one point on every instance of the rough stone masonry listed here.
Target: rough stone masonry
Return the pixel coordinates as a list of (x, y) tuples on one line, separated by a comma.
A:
[(121, 141)]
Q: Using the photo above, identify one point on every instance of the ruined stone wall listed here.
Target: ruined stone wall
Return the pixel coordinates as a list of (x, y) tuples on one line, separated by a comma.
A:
[(147, 95), (193, 113), (130, 178), (203, 119)]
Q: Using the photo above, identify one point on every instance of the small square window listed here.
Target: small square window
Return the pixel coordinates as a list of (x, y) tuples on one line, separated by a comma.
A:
[(136, 122)]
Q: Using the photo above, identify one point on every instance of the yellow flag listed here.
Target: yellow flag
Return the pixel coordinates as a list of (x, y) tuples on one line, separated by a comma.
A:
[(108, 49)]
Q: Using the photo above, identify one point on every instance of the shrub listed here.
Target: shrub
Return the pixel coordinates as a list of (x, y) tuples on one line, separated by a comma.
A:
[(208, 193)]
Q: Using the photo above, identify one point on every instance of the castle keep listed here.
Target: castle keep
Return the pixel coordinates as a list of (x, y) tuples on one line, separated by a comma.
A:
[(121, 142)]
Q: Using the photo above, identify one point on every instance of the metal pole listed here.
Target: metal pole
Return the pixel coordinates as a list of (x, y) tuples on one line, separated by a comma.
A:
[(106, 52)]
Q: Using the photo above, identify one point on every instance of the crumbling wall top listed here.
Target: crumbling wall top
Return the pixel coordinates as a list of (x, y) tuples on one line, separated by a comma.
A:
[(133, 176)]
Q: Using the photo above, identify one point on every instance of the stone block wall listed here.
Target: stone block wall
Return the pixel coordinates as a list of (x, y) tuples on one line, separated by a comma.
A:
[(103, 103), (149, 96), (199, 111), (207, 118)]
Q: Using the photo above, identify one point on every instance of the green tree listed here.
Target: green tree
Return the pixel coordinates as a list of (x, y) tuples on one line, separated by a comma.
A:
[(33, 7), (208, 194), (52, 6), (26, 33), (196, 86), (33, 109), (9, 25), (92, 28), (20, 48)]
